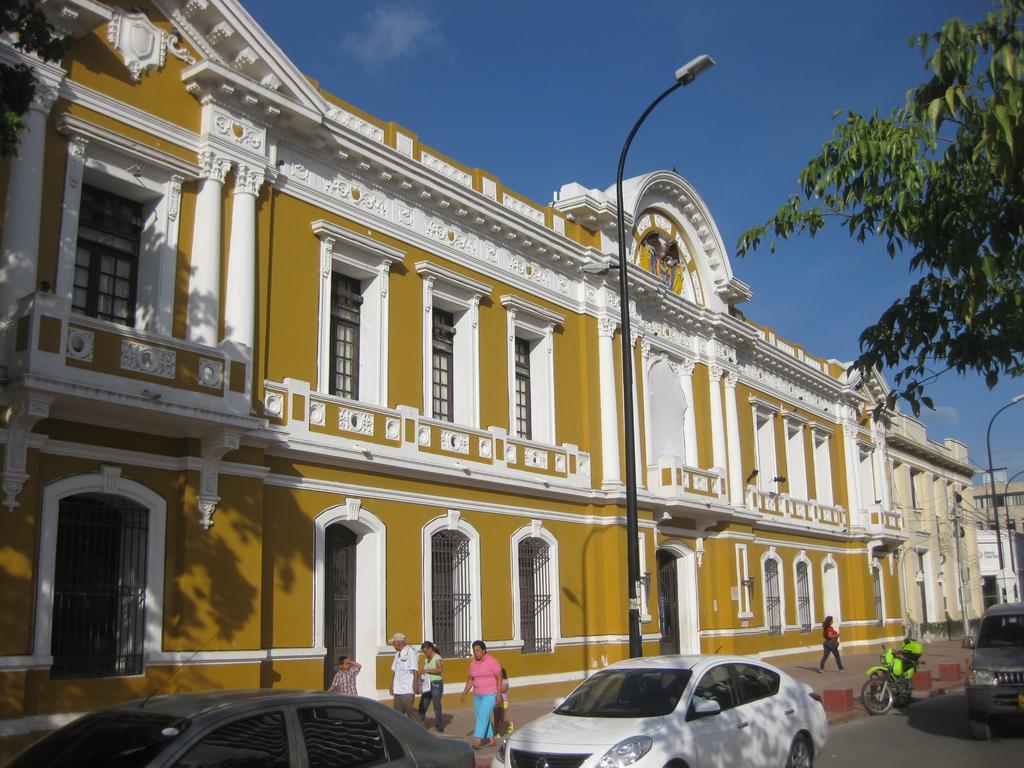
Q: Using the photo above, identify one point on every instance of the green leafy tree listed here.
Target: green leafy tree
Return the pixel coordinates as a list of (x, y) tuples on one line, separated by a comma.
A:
[(33, 34), (940, 179)]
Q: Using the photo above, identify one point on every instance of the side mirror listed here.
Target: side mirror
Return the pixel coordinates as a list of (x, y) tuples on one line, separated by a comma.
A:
[(704, 708), (968, 641)]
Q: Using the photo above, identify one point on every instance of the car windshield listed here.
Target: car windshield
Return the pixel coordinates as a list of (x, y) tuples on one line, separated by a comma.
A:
[(627, 693), (104, 740), (1005, 631)]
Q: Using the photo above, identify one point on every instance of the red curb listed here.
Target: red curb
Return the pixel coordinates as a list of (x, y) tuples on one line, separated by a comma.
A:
[(949, 672), (838, 700), (922, 680)]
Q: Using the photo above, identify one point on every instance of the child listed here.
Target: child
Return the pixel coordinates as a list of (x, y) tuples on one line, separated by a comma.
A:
[(501, 710), (345, 678)]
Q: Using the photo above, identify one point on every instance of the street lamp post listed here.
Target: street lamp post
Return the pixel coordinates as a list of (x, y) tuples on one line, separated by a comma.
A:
[(1011, 534), (992, 484), (684, 76)]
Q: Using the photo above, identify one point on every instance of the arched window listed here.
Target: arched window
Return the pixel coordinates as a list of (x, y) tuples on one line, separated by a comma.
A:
[(99, 589), (803, 597), (535, 595), (451, 593), (669, 403), (772, 597)]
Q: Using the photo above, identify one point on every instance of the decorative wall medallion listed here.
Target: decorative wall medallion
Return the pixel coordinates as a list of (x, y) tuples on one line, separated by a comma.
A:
[(392, 429), (145, 359), (273, 404), (406, 218), (246, 135), (510, 454), (485, 447), (535, 458), (211, 372), (141, 44), (583, 464), (423, 436), (355, 421), (317, 413), (456, 442), (80, 344), (560, 463)]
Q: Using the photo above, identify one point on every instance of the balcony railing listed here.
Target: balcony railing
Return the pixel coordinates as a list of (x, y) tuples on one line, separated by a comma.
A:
[(797, 510), (671, 478)]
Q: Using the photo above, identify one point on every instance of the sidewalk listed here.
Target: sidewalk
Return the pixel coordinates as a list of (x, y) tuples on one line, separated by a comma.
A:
[(803, 667)]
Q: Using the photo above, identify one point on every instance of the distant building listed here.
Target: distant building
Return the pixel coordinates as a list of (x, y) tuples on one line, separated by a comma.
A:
[(1009, 505)]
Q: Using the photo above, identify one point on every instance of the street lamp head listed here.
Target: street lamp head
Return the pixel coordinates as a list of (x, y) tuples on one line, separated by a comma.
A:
[(687, 73), (1018, 398)]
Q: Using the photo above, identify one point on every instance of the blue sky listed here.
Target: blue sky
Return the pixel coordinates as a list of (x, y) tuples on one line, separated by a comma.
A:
[(544, 93)]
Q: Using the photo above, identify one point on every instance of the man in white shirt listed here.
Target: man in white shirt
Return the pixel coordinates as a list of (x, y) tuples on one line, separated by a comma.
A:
[(406, 671)]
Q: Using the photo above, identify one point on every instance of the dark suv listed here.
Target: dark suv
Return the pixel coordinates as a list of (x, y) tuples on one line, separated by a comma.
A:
[(246, 729), (995, 678)]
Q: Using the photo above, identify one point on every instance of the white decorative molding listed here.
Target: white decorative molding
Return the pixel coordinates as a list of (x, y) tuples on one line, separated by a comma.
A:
[(141, 44), (457, 442), (560, 463), (423, 436), (80, 344), (510, 454), (233, 129), (583, 464), (484, 447), (213, 450), (179, 51), (447, 170), (143, 358), (357, 124), (533, 457), (393, 429), (248, 179), (211, 372), (350, 420), (111, 478), (523, 209), (22, 415), (213, 166)]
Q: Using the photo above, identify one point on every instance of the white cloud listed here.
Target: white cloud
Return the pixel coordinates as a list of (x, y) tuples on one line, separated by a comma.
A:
[(944, 414), (392, 31)]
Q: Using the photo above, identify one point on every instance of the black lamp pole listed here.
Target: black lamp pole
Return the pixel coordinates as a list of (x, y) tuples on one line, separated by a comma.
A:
[(1011, 534), (992, 485), (684, 76)]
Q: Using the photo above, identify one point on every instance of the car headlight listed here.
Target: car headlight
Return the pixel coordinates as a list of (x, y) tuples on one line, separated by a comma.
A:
[(626, 752), (502, 747), (981, 677)]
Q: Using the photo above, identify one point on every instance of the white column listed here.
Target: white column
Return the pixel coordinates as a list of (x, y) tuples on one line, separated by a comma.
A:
[(611, 473), (881, 478), (383, 277), (474, 362), (240, 301), (717, 418), (852, 474), (20, 248), (323, 343), (204, 284), (735, 455), (685, 373), (638, 454)]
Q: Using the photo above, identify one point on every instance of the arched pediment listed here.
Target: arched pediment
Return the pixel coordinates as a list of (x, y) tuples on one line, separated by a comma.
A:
[(667, 195)]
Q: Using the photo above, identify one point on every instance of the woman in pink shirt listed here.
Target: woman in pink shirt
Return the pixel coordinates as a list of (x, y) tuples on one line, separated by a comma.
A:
[(485, 681)]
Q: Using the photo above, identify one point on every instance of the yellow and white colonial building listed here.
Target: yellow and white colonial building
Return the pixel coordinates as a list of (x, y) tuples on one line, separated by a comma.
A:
[(280, 380)]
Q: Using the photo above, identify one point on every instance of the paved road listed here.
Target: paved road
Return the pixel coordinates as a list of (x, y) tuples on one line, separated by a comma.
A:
[(932, 732)]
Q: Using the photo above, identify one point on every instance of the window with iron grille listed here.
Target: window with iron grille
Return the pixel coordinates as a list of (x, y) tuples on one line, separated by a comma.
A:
[(107, 256), (803, 598), (876, 583), (451, 594), (524, 417), (772, 597), (99, 591), (535, 595), (443, 349), (346, 299)]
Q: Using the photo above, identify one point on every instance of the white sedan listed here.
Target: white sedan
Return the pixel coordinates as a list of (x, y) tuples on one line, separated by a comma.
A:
[(676, 712)]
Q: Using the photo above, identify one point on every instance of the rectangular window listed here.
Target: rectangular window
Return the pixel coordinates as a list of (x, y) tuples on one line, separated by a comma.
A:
[(797, 463), (535, 595), (524, 417), (451, 599), (346, 300), (822, 469), (107, 256), (876, 583), (765, 437), (443, 373), (913, 490)]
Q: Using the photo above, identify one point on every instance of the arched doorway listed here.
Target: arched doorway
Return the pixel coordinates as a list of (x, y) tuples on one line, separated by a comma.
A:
[(339, 597), (677, 599)]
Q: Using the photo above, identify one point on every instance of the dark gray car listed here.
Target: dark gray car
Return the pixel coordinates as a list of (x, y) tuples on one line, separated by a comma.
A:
[(261, 728), (995, 677)]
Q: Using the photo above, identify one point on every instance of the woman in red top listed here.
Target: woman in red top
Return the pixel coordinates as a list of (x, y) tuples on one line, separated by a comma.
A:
[(485, 681), (830, 644)]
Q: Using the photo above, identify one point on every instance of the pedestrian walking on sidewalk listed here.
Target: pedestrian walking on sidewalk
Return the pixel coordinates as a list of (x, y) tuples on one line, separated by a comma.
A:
[(405, 683), (485, 682), (830, 635), (502, 724), (432, 687)]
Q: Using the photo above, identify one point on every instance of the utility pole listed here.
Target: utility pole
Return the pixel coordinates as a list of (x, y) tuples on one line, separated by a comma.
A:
[(959, 562)]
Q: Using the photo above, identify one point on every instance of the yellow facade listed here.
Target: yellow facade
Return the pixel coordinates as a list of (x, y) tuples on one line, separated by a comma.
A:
[(213, 409)]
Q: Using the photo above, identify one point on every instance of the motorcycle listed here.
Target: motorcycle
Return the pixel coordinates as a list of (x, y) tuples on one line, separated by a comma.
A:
[(889, 684)]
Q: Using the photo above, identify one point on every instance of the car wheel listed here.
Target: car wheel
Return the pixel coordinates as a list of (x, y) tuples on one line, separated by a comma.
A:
[(801, 754), (980, 729)]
